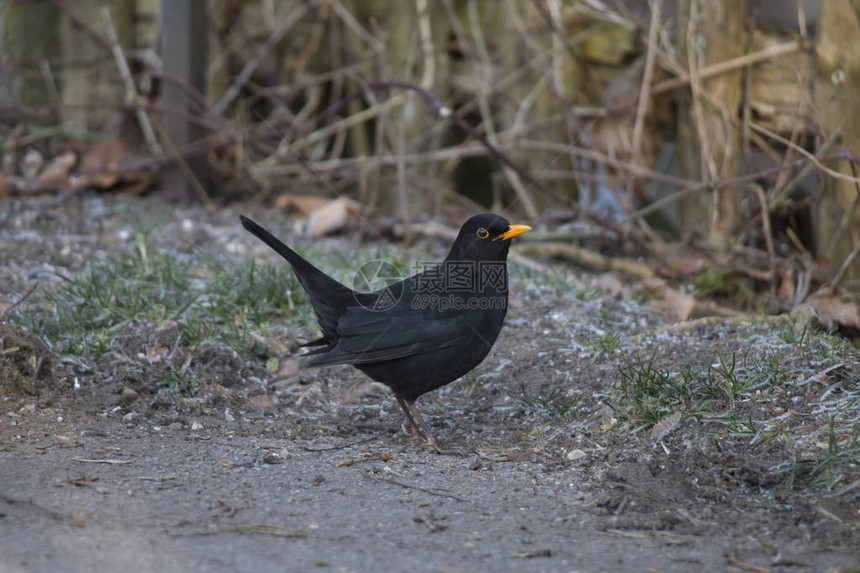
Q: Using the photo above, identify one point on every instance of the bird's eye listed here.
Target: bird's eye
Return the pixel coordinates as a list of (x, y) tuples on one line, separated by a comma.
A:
[(483, 233)]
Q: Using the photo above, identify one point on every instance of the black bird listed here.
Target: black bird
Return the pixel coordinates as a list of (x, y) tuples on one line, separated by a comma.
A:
[(420, 333)]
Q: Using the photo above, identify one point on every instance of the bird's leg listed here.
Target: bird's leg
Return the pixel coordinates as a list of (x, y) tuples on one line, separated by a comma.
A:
[(428, 435), (416, 432), (419, 430)]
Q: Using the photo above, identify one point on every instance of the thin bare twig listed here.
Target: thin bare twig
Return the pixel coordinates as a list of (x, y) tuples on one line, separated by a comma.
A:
[(427, 50), (94, 461), (263, 51), (187, 172), (768, 234), (452, 115), (429, 491), (641, 109), (844, 225), (783, 194), (486, 116), (729, 66), (801, 20), (24, 297), (644, 92), (131, 95), (402, 196), (347, 18), (846, 264), (742, 180), (849, 260), (811, 157)]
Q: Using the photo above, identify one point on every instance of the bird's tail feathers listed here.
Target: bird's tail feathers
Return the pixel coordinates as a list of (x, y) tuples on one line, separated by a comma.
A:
[(328, 296)]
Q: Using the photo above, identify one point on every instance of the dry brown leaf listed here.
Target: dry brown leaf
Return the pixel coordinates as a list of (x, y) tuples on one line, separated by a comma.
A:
[(133, 183), (334, 216), (102, 180), (836, 310), (670, 301), (611, 284), (104, 156), (304, 204), (55, 176), (155, 352), (102, 168), (786, 286), (688, 264), (665, 426)]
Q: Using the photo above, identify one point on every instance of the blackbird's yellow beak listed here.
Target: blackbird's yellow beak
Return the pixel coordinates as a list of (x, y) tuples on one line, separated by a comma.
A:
[(514, 231)]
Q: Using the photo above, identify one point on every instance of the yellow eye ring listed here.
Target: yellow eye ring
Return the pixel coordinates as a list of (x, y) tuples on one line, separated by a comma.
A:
[(483, 233)]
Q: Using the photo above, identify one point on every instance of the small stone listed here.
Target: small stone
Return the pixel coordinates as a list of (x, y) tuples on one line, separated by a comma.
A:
[(271, 458), (195, 425), (131, 417), (128, 395), (574, 455), (261, 402)]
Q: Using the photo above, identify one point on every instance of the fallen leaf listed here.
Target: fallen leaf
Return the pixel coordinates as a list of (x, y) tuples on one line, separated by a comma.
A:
[(669, 301), (834, 310), (786, 286), (103, 167), (133, 183), (55, 176), (688, 264), (665, 426), (104, 156), (304, 204), (334, 216), (155, 352), (611, 284)]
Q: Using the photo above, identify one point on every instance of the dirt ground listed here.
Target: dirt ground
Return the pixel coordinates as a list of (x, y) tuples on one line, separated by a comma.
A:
[(310, 470)]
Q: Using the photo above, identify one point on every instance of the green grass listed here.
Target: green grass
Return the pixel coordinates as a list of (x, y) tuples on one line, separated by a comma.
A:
[(800, 389), (553, 405), (836, 469), (215, 303), (795, 336), (605, 343), (182, 385), (86, 314), (644, 393)]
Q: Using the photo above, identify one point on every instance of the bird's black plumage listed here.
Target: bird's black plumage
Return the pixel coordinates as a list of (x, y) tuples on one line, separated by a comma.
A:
[(422, 332)]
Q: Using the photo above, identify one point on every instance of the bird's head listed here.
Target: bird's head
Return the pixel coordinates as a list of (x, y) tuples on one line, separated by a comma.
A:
[(485, 237)]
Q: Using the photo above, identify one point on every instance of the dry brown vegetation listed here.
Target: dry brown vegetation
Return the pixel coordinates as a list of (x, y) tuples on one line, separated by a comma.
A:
[(686, 136)]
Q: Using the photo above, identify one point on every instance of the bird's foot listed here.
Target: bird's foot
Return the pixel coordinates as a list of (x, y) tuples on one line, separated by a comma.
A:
[(444, 452), (417, 438), (420, 430)]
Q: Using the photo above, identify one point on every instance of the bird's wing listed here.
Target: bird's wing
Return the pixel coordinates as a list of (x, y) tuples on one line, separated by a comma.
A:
[(366, 336)]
